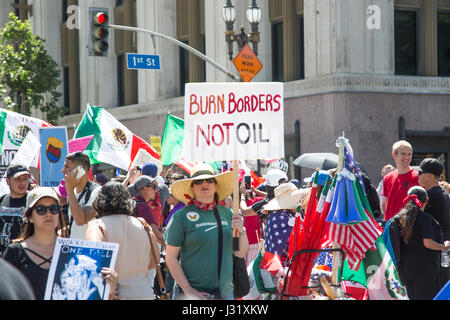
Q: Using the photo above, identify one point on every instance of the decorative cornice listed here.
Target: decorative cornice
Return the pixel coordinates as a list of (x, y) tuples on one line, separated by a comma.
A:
[(367, 83)]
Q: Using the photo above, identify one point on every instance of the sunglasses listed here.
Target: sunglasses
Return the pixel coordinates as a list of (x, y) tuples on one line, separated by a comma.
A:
[(199, 182), (42, 210), (153, 186)]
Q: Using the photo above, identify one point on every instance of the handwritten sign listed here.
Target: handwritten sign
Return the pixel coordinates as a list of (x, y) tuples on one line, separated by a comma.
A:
[(234, 121)]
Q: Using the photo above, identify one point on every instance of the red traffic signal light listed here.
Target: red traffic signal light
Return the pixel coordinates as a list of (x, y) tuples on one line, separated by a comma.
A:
[(99, 24), (101, 18)]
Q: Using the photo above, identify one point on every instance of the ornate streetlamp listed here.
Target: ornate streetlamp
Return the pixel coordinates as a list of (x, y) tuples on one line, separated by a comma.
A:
[(253, 17)]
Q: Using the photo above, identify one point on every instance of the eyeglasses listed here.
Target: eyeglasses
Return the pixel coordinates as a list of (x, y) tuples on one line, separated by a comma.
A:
[(199, 182), (42, 210)]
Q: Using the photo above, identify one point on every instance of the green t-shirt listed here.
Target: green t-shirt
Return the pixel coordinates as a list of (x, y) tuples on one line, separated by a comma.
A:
[(196, 232)]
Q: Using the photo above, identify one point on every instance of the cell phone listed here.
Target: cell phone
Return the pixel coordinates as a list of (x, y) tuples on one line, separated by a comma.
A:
[(248, 182), (79, 172)]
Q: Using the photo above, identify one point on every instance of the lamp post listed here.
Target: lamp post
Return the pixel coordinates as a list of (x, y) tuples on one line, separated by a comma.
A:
[(253, 17)]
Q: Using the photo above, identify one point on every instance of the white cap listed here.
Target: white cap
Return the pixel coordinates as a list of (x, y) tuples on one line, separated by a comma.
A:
[(274, 176)]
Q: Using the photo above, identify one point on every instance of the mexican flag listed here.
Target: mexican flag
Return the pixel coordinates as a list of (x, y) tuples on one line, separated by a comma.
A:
[(14, 127), (378, 274), (172, 142), (172, 146), (112, 143)]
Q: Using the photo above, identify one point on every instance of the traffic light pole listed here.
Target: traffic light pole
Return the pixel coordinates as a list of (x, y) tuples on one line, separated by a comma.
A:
[(184, 46)]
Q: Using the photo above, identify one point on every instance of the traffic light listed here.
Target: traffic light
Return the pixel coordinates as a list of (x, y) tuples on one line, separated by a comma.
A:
[(99, 32)]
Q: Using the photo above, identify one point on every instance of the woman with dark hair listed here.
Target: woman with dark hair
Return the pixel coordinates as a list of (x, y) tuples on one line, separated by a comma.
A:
[(32, 252), (116, 224), (420, 246)]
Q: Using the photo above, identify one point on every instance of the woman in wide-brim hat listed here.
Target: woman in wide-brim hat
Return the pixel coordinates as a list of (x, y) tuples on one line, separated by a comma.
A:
[(281, 219), (192, 236)]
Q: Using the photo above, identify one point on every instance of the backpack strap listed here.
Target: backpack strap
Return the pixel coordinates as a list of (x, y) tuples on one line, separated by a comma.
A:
[(86, 193), (220, 245), (4, 200)]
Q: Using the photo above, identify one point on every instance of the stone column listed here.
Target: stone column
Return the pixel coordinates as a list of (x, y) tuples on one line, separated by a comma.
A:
[(428, 34), (338, 40), (158, 16)]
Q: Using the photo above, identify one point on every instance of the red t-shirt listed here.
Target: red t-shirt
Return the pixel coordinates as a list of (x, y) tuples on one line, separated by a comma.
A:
[(395, 189), (251, 223)]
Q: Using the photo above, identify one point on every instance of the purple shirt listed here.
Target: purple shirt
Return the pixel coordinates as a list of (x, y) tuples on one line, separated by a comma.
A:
[(144, 211), (177, 207)]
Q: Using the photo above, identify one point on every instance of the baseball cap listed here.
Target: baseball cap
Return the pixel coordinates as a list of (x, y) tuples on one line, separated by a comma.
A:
[(150, 169), (274, 176), (431, 165), (143, 181), (323, 174), (38, 193), (17, 171)]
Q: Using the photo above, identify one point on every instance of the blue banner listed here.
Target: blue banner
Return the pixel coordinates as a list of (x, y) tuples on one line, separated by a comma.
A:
[(54, 149)]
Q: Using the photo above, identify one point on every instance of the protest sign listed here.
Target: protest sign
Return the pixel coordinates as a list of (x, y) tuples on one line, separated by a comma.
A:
[(11, 222), (142, 157), (54, 150), (79, 144), (27, 154), (234, 121), (155, 142), (75, 271)]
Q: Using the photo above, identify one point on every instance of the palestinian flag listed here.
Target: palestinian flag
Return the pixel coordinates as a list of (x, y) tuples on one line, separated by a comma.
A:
[(112, 143)]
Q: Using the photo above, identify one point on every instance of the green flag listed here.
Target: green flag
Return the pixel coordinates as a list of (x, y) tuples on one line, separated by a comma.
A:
[(172, 140)]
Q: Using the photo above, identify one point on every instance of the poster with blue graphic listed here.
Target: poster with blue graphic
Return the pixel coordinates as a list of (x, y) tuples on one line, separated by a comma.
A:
[(54, 149), (75, 271)]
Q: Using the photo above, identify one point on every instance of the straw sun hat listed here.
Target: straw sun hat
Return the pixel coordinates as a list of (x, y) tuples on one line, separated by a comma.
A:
[(287, 196), (182, 191)]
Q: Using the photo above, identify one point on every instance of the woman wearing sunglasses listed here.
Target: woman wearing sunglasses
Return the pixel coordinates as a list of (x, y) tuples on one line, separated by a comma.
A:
[(192, 236), (32, 252)]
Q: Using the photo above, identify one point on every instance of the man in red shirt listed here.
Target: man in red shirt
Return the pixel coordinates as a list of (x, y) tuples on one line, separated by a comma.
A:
[(397, 183)]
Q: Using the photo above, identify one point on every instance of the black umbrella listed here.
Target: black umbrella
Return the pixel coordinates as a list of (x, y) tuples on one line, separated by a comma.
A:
[(323, 161)]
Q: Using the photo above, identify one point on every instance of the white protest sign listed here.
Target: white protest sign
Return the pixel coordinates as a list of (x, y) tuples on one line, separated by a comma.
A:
[(234, 121), (28, 151), (142, 157)]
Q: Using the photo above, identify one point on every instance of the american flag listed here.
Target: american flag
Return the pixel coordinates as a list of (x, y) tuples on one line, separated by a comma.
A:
[(278, 231), (324, 258), (350, 163)]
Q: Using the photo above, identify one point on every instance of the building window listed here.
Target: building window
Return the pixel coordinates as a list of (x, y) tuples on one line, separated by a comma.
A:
[(22, 9), (125, 41), (70, 62), (277, 52), (443, 31), (120, 80), (301, 49), (191, 31), (406, 42)]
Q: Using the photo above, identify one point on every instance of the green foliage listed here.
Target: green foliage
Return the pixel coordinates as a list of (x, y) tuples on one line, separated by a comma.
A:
[(29, 77)]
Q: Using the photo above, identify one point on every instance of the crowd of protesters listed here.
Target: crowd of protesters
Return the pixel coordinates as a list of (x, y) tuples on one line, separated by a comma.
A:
[(191, 221)]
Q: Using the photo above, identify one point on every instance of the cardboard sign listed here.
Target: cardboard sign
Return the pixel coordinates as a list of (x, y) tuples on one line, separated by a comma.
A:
[(155, 142), (79, 144), (247, 64), (54, 150), (28, 152), (142, 157), (234, 121), (75, 271)]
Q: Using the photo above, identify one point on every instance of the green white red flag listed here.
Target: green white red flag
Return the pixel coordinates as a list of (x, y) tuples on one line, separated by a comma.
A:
[(113, 143)]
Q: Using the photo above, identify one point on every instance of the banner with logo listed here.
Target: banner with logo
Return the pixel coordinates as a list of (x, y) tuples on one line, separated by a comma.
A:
[(54, 150), (234, 121)]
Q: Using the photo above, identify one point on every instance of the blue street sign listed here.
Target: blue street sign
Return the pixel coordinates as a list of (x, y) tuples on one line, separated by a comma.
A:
[(143, 61)]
